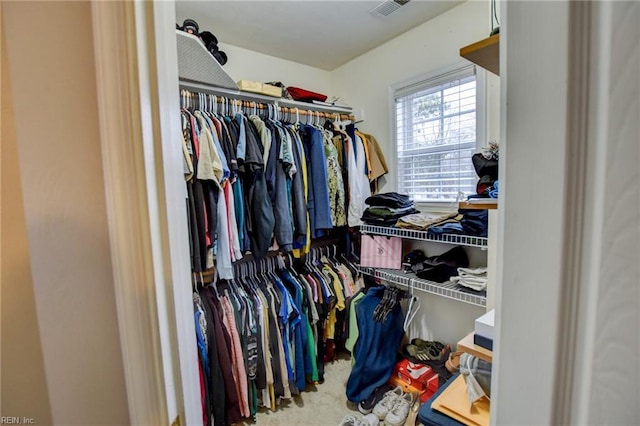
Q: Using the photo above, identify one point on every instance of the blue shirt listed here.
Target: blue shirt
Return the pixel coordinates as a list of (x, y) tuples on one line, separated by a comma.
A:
[(319, 205)]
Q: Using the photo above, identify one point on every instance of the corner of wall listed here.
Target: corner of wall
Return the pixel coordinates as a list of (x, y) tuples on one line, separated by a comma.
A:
[(24, 391)]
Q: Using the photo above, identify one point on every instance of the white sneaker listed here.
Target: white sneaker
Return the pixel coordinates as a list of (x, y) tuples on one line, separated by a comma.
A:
[(368, 420), (387, 402), (348, 420), (398, 414)]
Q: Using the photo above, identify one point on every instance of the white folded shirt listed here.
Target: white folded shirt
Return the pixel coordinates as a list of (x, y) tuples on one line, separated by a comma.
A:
[(475, 283), (482, 270)]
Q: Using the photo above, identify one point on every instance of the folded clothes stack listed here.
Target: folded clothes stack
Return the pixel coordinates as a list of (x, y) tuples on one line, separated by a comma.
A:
[(473, 278), (473, 223), (423, 221), (385, 209)]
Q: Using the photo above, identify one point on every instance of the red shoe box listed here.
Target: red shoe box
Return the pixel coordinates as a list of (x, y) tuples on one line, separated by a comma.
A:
[(433, 384), (417, 378)]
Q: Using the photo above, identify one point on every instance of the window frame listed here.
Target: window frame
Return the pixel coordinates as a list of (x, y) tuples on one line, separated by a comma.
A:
[(417, 83)]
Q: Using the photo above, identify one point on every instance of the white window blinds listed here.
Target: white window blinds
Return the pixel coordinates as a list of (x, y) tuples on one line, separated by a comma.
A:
[(436, 136)]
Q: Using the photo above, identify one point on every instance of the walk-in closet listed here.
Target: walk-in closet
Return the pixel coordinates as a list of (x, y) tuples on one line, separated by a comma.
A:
[(356, 213), (338, 215)]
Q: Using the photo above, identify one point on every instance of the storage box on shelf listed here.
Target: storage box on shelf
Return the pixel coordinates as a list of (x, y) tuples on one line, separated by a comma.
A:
[(447, 289), (485, 330)]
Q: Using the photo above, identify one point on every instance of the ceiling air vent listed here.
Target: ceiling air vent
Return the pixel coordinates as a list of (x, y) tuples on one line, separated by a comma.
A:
[(388, 7)]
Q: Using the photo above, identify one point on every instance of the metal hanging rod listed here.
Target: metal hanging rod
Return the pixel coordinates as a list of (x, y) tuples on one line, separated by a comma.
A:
[(237, 94)]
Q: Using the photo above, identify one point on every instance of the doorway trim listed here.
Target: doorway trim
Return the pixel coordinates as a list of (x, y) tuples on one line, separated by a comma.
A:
[(139, 124)]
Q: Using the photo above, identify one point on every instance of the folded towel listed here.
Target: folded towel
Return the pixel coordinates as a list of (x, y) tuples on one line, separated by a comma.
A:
[(477, 284), (482, 270)]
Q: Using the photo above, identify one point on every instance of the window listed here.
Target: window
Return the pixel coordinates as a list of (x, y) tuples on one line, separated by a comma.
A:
[(435, 124)]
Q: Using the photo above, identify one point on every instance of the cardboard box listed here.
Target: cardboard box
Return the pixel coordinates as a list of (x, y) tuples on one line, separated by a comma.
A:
[(261, 88)]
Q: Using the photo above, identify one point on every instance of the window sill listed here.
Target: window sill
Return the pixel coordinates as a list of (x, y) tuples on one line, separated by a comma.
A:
[(437, 207)]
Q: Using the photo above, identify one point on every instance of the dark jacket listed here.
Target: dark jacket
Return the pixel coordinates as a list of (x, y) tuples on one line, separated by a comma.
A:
[(281, 203), (260, 219), (298, 203), (375, 350)]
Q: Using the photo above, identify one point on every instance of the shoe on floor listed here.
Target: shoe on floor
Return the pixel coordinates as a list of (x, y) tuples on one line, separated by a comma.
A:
[(398, 414), (349, 420), (387, 402), (369, 420), (366, 406)]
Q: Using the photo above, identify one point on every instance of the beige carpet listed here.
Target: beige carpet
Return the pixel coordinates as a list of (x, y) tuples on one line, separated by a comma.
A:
[(325, 404)]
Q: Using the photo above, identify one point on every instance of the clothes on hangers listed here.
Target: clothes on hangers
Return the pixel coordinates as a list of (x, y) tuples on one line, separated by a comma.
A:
[(376, 347), (283, 183), (255, 183), (264, 335)]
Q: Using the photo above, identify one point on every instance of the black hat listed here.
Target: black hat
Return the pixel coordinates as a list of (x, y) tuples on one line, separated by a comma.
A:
[(209, 39), (221, 57), (484, 166), (190, 26)]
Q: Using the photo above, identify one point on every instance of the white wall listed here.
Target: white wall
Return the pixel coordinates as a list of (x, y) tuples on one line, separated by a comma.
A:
[(57, 138), (531, 248), (244, 64), (365, 81), (611, 285)]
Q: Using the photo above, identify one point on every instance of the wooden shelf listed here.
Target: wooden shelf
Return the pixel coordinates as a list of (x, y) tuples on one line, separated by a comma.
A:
[(479, 206), (484, 53), (467, 345)]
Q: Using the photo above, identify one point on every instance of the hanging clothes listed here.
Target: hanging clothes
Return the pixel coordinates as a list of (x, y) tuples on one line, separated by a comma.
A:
[(335, 183), (376, 348), (255, 184), (318, 204)]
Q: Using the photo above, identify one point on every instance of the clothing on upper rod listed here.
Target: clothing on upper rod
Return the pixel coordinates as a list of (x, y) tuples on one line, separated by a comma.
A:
[(255, 183)]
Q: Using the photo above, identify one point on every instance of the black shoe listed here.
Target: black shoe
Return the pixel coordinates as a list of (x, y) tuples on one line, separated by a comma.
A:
[(366, 406)]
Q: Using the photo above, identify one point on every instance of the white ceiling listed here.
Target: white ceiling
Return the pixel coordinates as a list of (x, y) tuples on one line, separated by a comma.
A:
[(322, 34)]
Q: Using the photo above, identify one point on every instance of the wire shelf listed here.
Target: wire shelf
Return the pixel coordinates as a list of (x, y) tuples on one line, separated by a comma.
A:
[(463, 240), (447, 289)]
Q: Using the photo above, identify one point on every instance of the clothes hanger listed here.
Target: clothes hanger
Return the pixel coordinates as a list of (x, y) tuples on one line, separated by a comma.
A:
[(412, 309)]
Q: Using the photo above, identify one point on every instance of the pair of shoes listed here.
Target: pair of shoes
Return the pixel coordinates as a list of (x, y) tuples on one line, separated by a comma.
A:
[(366, 406), (368, 420), (427, 343), (400, 411), (428, 351), (423, 353), (394, 407), (388, 401)]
